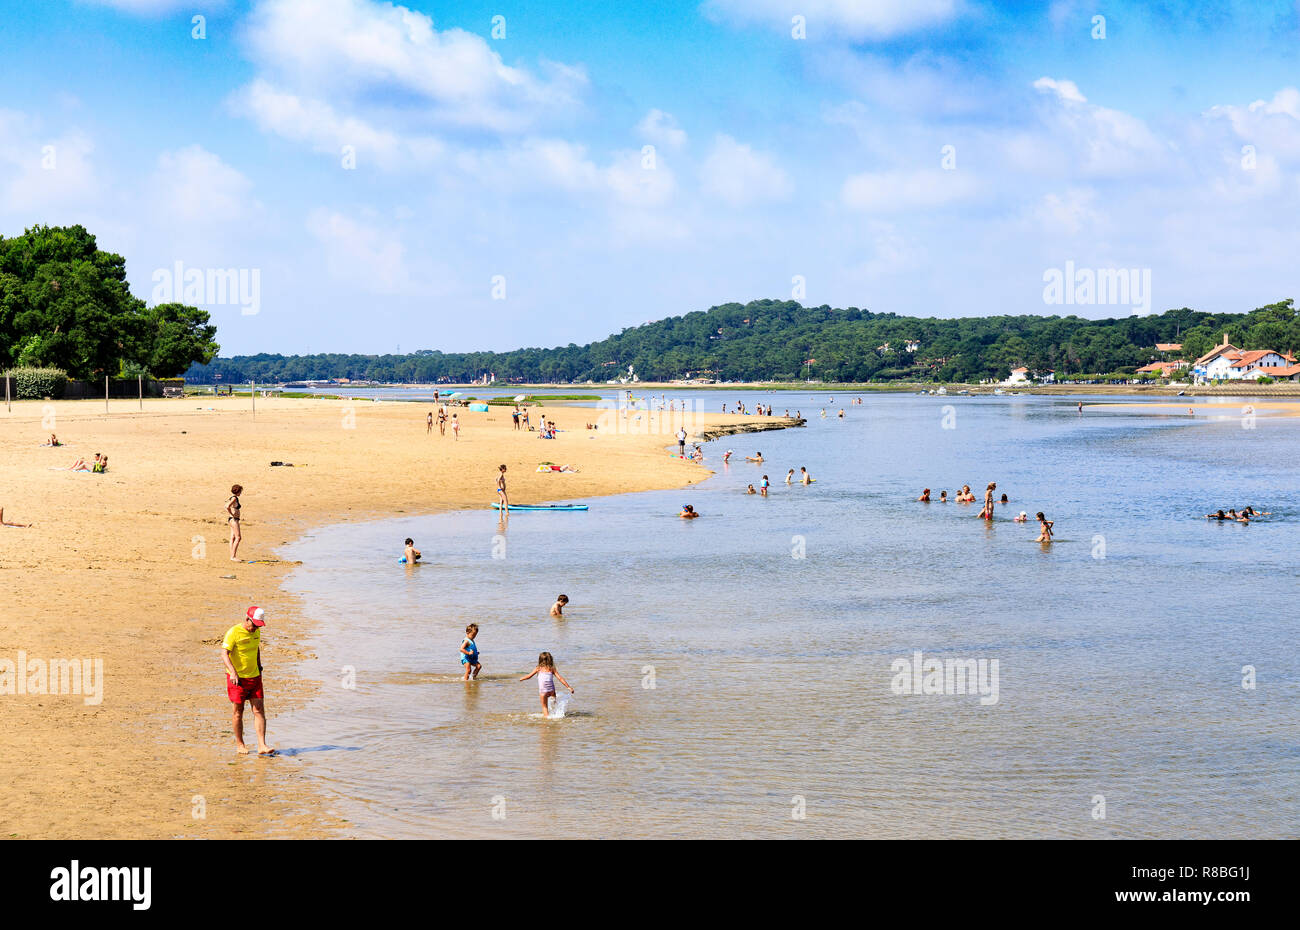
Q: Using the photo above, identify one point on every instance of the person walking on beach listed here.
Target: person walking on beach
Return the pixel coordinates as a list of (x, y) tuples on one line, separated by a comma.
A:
[(469, 652), (502, 497), (232, 519), (546, 675), (681, 443), (442, 420), (428, 424), (455, 428), (241, 652), (557, 609)]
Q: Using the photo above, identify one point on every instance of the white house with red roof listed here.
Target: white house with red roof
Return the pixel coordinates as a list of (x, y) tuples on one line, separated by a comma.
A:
[(1225, 362)]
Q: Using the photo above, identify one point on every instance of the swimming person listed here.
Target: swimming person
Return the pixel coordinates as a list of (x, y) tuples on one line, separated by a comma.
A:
[(557, 609), (805, 478), (411, 555), (925, 496), (688, 512), (1004, 500), (502, 496), (1218, 515), (943, 497), (232, 519), (1044, 528), (469, 652), (241, 652), (750, 490), (546, 676), (757, 459)]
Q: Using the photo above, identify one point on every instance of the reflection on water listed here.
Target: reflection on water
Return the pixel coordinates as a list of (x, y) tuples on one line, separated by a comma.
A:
[(729, 667)]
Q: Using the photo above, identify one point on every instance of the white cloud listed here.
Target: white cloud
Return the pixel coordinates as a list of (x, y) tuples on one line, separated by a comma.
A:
[(361, 255), (661, 128), (154, 7), (1095, 140), (851, 19), (735, 173), (390, 61), (194, 185), (44, 172), (1069, 212), (889, 191), (1272, 126)]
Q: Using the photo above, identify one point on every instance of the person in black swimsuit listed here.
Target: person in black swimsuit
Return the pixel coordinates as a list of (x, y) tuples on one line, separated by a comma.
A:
[(232, 518)]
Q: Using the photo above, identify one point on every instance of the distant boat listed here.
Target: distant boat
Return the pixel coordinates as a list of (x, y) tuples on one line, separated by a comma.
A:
[(999, 391), (942, 390)]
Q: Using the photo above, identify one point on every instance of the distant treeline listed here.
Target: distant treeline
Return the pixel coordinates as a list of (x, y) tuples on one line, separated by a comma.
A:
[(783, 341)]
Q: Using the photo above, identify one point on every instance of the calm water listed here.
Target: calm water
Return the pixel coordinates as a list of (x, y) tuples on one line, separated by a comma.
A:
[(1120, 649)]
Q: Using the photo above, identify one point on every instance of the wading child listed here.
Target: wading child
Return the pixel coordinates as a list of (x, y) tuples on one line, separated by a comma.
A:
[(557, 609), (546, 676), (469, 652), (1044, 528)]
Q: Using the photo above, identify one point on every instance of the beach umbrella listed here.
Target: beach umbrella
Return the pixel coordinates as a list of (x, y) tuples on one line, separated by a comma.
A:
[(519, 397), (454, 394)]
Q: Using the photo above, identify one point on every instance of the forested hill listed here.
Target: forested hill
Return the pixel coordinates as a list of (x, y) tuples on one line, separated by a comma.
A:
[(781, 340)]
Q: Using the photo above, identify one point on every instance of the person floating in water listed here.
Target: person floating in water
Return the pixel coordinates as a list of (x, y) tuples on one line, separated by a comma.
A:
[(557, 609), (411, 555), (546, 676), (688, 512), (1044, 528), (469, 652)]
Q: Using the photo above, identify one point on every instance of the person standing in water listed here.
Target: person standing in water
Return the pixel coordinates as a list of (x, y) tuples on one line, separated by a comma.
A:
[(764, 486), (987, 512), (805, 478), (469, 652), (789, 476), (502, 497), (232, 520), (241, 652), (546, 675), (410, 555), (1044, 528)]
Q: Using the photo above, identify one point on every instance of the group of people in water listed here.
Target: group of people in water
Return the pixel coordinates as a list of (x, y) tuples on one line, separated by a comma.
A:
[(967, 496), (1244, 515)]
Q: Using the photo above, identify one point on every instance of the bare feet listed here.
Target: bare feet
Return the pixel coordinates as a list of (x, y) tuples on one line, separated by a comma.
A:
[(265, 751), (241, 749)]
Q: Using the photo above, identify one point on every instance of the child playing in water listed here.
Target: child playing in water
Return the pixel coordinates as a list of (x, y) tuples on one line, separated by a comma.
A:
[(546, 676), (943, 497), (1044, 528), (410, 555), (557, 609), (469, 652), (688, 512), (764, 486)]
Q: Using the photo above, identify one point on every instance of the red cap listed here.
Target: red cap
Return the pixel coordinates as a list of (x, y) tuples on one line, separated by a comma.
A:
[(256, 614)]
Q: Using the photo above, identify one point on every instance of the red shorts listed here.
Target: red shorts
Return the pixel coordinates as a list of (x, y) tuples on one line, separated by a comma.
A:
[(245, 689)]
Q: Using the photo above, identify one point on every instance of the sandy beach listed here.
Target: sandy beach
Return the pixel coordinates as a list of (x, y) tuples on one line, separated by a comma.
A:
[(132, 568)]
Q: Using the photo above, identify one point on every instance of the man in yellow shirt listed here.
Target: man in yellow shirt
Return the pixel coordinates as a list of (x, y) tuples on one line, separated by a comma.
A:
[(241, 651)]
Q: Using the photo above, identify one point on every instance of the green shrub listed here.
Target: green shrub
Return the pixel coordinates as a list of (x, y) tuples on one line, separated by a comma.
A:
[(37, 383)]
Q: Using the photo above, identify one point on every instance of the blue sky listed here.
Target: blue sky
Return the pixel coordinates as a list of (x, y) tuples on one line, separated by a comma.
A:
[(1170, 145)]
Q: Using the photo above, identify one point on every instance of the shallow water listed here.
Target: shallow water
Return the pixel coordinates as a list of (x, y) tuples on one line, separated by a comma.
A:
[(727, 667)]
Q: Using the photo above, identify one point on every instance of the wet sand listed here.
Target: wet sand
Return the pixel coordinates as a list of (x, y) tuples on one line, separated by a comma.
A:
[(132, 568)]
